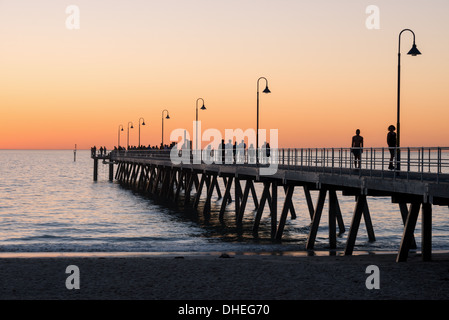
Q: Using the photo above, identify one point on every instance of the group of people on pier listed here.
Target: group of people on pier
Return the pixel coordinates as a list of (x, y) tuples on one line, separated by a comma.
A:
[(227, 153), (357, 147), (149, 147), (101, 152)]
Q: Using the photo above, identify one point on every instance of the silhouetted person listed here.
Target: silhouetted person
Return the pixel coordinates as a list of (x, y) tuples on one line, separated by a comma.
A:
[(263, 152), (356, 148), (229, 148), (268, 152), (240, 156), (391, 141), (222, 151), (251, 154), (234, 152)]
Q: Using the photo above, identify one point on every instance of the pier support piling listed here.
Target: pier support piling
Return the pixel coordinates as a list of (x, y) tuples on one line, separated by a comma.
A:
[(95, 169), (407, 235)]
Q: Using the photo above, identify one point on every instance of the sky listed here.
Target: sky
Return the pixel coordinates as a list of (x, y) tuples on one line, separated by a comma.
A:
[(329, 72)]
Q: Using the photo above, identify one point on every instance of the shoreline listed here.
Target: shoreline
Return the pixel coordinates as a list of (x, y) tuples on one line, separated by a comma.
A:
[(137, 254), (213, 276)]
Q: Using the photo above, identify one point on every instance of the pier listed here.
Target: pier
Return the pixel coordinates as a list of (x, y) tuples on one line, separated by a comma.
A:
[(422, 182)]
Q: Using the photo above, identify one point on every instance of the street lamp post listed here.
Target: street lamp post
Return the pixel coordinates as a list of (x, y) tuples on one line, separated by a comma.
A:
[(128, 134), (202, 108), (118, 147), (257, 129), (167, 117), (143, 123), (413, 52)]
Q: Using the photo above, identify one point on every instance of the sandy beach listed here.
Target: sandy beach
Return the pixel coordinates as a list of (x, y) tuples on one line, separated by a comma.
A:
[(212, 277)]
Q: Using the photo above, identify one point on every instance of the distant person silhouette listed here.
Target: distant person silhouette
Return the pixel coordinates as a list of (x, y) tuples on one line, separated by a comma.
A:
[(391, 141), (229, 151), (268, 152), (251, 154), (263, 152), (356, 148), (223, 147)]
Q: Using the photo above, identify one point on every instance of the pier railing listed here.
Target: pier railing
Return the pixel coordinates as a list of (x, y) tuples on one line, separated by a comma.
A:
[(410, 160)]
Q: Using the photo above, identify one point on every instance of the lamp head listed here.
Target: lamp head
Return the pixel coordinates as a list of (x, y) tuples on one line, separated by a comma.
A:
[(122, 129), (143, 123), (203, 107), (167, 117), (414, 51), (266, 90), (132, 127)]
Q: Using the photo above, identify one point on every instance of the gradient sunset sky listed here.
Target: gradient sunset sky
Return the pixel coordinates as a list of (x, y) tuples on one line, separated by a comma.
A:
[(328, 73)]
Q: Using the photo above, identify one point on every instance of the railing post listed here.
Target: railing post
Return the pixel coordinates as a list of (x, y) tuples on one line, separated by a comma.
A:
[(422, 162), (383, 160), (332, 159), (296, 157), (341, 159), (408, 159)]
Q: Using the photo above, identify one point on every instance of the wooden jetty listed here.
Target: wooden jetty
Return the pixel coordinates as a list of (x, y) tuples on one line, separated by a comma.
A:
[(421, 185)]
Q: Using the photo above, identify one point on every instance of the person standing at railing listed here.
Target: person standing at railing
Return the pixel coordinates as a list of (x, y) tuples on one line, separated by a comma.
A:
[(251, 154), (356, 148), (391, 141)]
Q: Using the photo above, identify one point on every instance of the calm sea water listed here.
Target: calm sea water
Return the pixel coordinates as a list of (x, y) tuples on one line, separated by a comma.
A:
[(50, 203)]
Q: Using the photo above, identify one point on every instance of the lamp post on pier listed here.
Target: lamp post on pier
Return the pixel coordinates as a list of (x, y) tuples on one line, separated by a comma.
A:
[(266, 90), (167, 117), (413, 52), (128, 134), (196, 134), (143, 123), (118, 146)]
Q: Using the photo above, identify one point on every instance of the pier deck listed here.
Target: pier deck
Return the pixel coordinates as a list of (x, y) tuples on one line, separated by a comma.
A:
[(422, 183)]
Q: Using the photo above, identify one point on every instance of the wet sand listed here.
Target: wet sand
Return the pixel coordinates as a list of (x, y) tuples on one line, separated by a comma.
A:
[(211, 277)]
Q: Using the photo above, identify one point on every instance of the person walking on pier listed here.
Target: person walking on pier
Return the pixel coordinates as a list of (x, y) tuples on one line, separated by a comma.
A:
[(222, 148), (356, 148), (391, 141)]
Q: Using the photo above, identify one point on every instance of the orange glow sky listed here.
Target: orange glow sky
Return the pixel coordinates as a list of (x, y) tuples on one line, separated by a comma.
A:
[(327, 72)]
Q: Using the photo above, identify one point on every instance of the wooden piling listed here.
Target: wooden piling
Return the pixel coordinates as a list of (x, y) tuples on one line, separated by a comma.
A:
[(332, 219), (263, 199), (426, 232), (111, 171), (95, 169), (404, 213), (357, 216), (316, 219), (274, 204), (287, 206), (407, 235)]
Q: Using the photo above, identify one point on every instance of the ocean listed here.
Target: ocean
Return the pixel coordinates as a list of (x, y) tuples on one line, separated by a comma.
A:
[(50, 203)]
